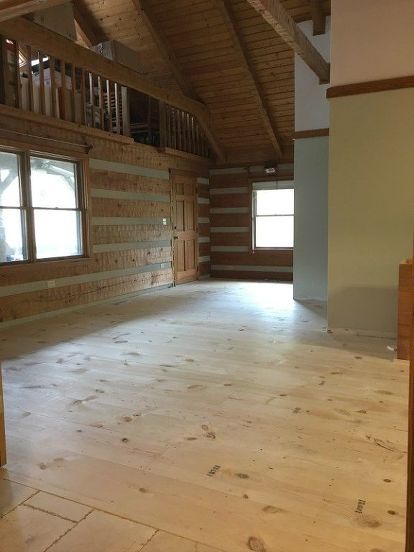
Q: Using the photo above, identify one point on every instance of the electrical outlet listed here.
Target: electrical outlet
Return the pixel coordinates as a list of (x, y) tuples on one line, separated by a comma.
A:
[(51, 283)]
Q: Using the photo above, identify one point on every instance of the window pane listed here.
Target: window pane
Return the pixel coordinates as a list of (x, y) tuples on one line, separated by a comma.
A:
[(57, 233), (53, 183), (12, 246), (9, 180), (274, 231), (274, 202)]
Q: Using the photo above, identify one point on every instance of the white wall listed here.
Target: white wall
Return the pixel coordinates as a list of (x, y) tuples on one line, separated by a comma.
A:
[(311, 105), (310, 255), (372, 40), (311, 177)]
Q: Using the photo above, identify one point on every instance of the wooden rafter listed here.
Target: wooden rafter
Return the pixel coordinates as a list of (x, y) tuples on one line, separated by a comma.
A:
[(15, 8), (86, 25), (243, 58), (60, 47), (318, 17), (146, 13), (278, 18)]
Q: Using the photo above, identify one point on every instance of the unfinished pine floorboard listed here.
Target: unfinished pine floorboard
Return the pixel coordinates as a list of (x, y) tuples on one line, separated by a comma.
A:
[(213, 416)]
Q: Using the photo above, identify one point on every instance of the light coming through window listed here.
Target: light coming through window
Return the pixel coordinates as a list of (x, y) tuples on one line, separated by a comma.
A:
[(273, 213), (41, 208)]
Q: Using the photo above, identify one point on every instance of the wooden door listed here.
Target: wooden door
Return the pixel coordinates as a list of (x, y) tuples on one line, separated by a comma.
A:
[(185, 227)]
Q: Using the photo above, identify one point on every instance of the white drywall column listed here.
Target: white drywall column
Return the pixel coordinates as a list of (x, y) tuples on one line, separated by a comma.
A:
[(311, 177)]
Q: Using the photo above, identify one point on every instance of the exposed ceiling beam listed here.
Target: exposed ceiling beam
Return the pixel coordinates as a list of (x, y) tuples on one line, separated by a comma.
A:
[(144, 10), (88, 28), (243, 59), (60, 47), (146, 13), (16, 8), (276, 15), (318, 17)]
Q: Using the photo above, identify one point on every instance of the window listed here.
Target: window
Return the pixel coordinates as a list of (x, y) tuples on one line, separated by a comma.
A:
[(273, 212), (42, 214)]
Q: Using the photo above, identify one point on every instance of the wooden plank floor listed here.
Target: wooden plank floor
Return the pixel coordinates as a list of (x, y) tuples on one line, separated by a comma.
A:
[(214, 416)]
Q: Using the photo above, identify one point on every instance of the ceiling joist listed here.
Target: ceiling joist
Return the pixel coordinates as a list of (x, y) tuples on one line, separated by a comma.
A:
[(318, 17), (15, 8), (278, 18), (243, 58)]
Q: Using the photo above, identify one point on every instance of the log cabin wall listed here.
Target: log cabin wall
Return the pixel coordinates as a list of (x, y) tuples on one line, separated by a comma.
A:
[(232, 255), (129, 213), (203, 227)]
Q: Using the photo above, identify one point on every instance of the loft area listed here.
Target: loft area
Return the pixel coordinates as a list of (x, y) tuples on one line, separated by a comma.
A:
[(33, 81)]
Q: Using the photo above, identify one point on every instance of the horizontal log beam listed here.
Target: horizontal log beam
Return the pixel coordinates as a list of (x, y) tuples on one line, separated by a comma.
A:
[(278, 18)]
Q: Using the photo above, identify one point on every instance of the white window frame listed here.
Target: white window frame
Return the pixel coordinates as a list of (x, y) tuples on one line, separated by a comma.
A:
[(268, 185), (27, 210)]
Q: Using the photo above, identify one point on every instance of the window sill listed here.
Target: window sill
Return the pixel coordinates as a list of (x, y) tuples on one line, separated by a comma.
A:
[(271, 249), (26, 265)]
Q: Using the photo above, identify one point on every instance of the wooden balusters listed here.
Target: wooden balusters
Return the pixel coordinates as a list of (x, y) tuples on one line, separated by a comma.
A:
[(30, 99), (83, 96), (18, 86), (42, 101), (101, 104), (125, 114), (73, 92), (53, 89), (163, 124), (109, 104), (91, 100), (180, 130), (62, 90)]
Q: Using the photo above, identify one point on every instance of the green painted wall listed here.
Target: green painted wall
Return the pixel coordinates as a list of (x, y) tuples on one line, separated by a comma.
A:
[(310, 254), (371, 207)]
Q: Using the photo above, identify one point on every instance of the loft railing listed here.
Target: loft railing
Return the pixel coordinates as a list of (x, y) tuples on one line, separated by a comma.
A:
[(35, 81), (180, 131)]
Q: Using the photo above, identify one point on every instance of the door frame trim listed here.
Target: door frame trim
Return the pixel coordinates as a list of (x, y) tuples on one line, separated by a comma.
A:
[(196, 175)]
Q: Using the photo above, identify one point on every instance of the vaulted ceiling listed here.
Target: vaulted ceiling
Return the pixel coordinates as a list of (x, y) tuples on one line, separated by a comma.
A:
[(222, 52)]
